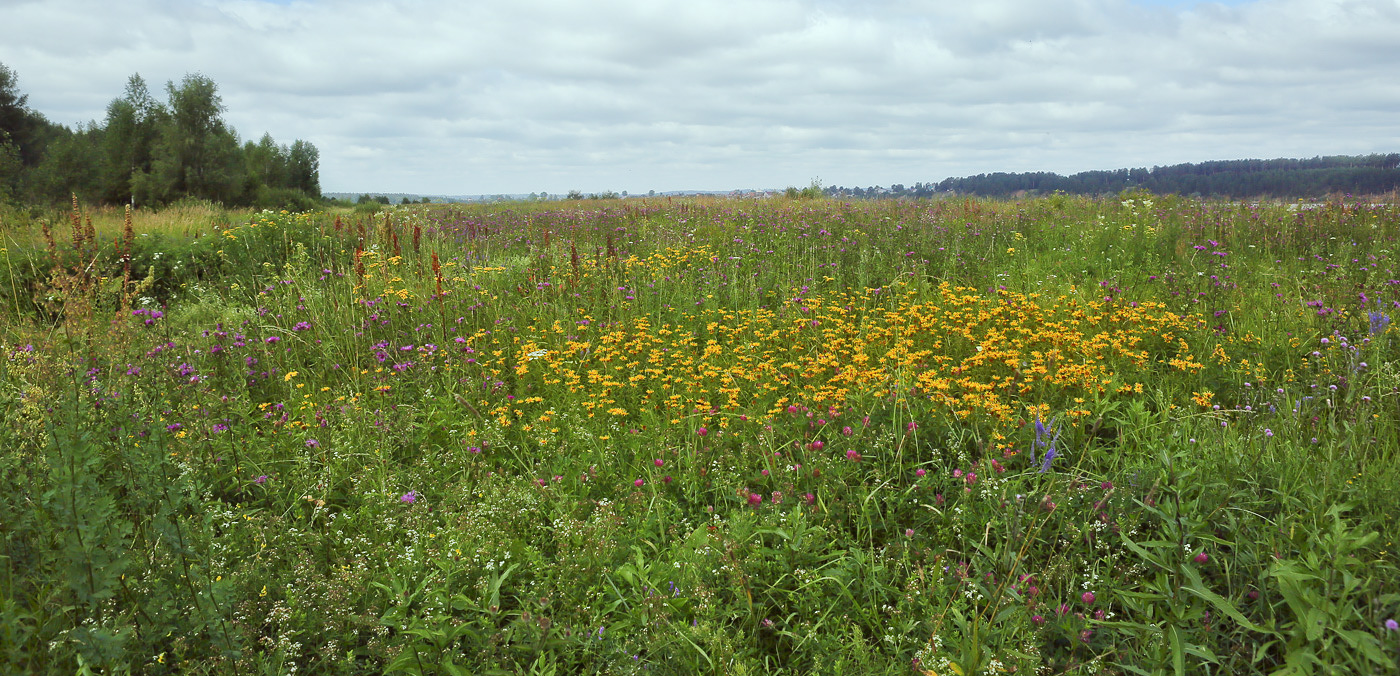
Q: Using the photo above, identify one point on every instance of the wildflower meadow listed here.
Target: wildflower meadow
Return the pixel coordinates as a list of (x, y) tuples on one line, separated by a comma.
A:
[(1125, 435)]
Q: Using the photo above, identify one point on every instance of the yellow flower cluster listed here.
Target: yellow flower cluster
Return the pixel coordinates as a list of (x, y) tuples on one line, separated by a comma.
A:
[(959, 353)]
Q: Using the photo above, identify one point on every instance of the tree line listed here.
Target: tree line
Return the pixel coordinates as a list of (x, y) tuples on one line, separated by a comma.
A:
[(1233, 179), (149, 152)]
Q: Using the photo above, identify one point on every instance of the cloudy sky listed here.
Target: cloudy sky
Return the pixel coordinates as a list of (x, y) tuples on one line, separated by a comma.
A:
[(451, 97)]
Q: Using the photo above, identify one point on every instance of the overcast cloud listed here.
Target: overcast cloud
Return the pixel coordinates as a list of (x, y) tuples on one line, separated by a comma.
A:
[(443, 97)]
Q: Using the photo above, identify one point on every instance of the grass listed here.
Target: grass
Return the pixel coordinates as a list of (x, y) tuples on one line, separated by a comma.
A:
[(1060, 435)]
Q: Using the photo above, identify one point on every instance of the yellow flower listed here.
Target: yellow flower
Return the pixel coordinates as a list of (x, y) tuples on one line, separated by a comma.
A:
[(289, 376)]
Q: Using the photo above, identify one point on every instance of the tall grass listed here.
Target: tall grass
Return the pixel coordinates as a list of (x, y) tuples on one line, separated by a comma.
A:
[(1139, 435)]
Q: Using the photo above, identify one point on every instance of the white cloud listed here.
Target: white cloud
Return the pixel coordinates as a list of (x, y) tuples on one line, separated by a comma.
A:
[(445, 97)]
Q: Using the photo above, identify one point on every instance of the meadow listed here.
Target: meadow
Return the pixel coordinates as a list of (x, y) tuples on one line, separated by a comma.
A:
[(1131, 435)]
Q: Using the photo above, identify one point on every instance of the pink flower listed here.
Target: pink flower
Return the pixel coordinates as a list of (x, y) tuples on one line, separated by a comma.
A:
[(920, 472), (852, 455), (1201, 558), (755, 500), (409, 497), (811, 499), (638, 483), (818, 445), (1039, 620), (909, 532), (658, 462), (702, 431), (1087, 598), (957, 474), (847, 431)]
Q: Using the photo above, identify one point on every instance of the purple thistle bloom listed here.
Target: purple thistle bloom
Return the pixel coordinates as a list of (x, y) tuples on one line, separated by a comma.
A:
[(312, 443)]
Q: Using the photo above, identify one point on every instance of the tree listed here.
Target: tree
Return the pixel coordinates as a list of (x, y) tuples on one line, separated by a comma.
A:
[(21, 125), (266, 163), (10, 167), (196, 154), (304, 168), (128, 142), (72, 164)]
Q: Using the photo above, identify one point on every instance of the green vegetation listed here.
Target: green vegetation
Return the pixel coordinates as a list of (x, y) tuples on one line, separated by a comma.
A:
[(149, 154), (1235, 179), (1064, 435)]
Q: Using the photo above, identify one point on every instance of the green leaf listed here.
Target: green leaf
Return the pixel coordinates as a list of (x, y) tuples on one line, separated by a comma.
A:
[(1178, 651), (1198, 589)]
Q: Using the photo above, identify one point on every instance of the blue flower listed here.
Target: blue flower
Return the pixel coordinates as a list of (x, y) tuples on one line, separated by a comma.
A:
[(1041, 434), (1379, 322)]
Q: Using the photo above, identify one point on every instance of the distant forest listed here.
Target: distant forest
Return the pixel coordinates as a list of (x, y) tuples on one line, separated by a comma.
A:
[(1236, 179), (149, 153)]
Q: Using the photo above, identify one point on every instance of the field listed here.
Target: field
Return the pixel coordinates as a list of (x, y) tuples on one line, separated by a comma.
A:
[(1134, 435)]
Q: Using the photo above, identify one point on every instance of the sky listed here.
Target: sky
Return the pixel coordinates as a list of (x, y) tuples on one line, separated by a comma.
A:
[(442, 97)]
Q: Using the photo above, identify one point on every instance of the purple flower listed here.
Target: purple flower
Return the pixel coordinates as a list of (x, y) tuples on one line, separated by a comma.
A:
[(260, 480), (312, 443), (1379, 321), (1392, 625), (1044, 439), (409, 497), (272, 339)]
